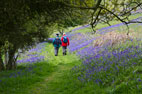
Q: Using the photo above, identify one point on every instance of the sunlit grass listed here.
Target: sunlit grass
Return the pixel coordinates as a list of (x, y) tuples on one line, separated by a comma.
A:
[(18, 81), (39, 77)]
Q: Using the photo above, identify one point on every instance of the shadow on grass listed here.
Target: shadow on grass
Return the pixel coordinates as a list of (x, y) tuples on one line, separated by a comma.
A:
[(17, 81)]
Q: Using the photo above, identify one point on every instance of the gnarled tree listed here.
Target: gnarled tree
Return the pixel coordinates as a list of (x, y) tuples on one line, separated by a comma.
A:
[(23, 23)]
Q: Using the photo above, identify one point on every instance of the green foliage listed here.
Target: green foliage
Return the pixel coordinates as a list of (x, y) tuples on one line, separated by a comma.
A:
[(25, 23)]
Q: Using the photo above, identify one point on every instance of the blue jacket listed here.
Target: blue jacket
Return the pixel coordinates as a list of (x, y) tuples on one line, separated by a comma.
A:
[(59, 43)]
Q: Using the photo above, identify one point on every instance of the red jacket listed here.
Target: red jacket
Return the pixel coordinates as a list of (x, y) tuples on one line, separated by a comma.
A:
[(65, 44)]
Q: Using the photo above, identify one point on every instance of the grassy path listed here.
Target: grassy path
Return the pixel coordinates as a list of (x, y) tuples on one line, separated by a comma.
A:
[(59, 80)]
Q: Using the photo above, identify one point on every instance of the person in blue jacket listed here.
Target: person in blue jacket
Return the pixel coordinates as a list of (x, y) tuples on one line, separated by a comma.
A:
[(56, 43)]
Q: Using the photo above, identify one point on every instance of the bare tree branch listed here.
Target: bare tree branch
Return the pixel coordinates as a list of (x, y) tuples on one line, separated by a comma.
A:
[(114, 15), (138, 4), (122, 20), (97, 16), (96, 20)]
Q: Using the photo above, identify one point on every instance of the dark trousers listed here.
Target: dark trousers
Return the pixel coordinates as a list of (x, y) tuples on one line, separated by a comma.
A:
[(56, 50), (64, 50)]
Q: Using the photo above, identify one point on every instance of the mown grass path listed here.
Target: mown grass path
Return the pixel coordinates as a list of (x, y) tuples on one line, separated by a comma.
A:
[(57, 82)]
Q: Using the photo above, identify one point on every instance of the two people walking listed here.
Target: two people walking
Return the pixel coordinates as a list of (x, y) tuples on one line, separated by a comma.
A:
[(64, 42)]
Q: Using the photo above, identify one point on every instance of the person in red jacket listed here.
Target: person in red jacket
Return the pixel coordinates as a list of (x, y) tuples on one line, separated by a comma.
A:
[(65, 43)]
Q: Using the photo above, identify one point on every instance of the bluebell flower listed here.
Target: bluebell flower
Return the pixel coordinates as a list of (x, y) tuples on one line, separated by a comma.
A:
[(139, 79)]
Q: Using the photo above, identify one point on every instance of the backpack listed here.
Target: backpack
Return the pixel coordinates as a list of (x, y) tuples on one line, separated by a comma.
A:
[(65, 40), (57, 42)]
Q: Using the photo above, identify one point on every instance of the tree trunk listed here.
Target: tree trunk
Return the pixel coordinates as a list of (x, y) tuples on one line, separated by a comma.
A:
[(11, 62), (1, 63), (6, 58)]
